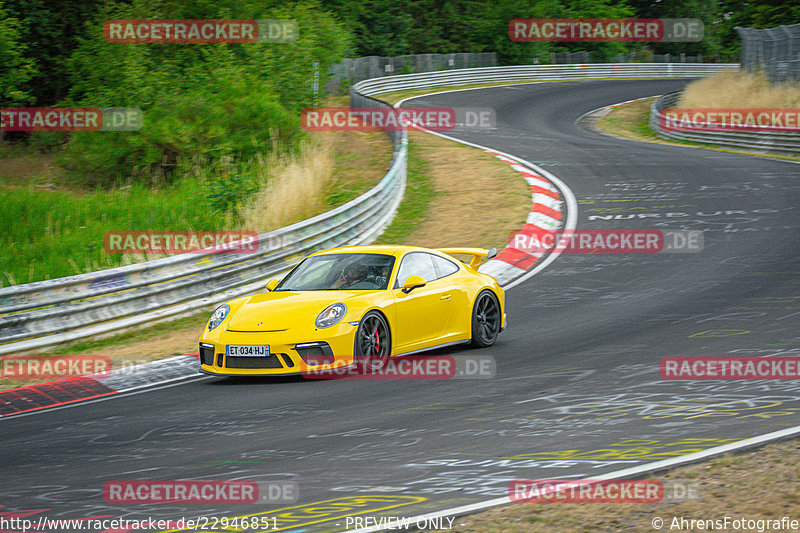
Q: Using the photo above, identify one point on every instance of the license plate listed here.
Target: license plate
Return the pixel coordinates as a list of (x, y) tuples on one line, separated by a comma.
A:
[(247, 350)]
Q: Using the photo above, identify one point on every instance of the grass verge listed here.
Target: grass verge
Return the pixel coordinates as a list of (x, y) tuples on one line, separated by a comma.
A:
[(455, 196), (732, 89), (417, 198), (760, 484), (56, 228), (358, 160), (631, 121), (474, 199)]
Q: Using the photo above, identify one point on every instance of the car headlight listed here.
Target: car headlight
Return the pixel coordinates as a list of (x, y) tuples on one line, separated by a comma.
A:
[(218, 316), (331, 315)]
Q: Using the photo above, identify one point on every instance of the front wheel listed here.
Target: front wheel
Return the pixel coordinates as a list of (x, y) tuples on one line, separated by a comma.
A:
[(485, 319), (373, 342)]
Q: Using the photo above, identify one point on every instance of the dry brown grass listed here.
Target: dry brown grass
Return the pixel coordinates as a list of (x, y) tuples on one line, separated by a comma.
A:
[(295, 186), (738, 90), (333, 168), (480, 200), (630, 121)]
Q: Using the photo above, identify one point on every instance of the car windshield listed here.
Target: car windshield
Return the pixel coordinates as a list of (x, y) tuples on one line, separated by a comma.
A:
[(340, 272)]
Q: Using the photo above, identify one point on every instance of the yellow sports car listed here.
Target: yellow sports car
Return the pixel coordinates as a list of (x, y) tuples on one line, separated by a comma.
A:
[(343, 304)]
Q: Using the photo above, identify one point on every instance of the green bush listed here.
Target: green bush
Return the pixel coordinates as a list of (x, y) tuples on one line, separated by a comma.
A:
[(226, 191), (241, 119), (200, 102)]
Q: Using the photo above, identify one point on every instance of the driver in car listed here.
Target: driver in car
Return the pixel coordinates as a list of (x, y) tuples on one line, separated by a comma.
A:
[(351, 275)]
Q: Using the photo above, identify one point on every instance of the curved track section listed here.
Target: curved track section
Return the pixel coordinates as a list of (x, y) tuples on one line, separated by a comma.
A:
[(577, 390)]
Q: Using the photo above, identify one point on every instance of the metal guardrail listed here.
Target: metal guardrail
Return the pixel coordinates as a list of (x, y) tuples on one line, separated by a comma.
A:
[(540, 72), (56, 311), (774, 142), (364, 68)]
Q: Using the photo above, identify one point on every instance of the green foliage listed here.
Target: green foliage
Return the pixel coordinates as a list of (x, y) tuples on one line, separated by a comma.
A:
[(241, 117), (527, 53), (46, 141), (706, 10), (344, 87), (226, 191), (15, 68), (51, 30), (747, 13), (417, 199), (38, 38), (431, 26), (408, 68), (379, 27), (49, 234), (200, 101)]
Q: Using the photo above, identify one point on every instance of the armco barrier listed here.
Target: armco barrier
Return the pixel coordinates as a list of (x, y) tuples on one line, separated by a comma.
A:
[(55, 311), (775, 142), (539, 72)]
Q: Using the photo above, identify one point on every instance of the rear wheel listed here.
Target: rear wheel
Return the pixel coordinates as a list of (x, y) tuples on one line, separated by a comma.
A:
[(485, 319), (373, 342)]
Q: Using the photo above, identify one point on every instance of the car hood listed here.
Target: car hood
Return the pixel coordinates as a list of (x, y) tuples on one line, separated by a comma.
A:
[(282, 310)]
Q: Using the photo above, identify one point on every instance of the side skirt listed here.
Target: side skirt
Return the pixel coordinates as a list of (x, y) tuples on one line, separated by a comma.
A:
[(453, 343)]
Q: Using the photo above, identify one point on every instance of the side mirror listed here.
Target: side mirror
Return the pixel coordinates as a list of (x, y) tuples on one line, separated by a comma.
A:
[(412, 283), (271, 284)]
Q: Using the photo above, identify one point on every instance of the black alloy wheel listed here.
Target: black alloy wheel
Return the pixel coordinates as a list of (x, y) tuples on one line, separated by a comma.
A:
[(373, 342), (485, 319)]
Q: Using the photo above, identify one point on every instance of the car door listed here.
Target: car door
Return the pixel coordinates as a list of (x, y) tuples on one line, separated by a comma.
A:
[(423, 313)]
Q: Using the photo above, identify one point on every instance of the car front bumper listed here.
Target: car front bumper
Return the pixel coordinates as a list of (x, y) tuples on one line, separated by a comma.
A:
[(290, 352)]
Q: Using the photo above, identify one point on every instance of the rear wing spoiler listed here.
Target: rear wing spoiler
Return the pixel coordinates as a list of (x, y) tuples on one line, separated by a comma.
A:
[(476, 253)]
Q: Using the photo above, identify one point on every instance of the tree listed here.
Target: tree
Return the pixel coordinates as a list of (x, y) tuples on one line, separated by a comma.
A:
[(50, 30), (201, 102), (757, 14), (15, 69)]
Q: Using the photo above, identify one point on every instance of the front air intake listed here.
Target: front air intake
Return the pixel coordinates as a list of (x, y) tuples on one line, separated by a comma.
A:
[(315, 353), (207, 354)]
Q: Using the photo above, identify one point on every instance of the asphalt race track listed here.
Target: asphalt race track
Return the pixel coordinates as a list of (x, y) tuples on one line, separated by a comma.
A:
[(577, 390)]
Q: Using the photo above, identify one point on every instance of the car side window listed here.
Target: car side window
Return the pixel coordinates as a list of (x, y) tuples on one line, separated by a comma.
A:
[(416, 264), (444, 267)]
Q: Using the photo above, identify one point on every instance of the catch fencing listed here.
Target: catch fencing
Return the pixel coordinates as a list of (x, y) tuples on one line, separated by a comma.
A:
[(351, 71), (776, 51), (364, 68)]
